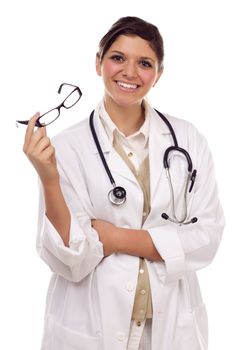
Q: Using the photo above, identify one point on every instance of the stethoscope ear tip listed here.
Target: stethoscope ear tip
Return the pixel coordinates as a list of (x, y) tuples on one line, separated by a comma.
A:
[(192, 221)]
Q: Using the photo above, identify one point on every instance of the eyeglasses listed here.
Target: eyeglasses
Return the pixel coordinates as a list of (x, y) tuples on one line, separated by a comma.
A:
[(50, 116)]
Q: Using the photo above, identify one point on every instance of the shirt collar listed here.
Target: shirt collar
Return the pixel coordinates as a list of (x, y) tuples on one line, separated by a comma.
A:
[(111, 128)]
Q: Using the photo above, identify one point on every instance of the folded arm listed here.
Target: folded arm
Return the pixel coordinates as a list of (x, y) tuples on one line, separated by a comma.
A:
[(125, 241)]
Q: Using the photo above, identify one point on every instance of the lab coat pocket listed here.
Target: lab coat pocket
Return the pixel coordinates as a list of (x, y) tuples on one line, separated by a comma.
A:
[(191, 331), (58, 337)]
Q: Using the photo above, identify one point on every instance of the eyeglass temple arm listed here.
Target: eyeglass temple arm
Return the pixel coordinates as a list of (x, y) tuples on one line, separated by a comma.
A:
[(26, 122), (61, 86)]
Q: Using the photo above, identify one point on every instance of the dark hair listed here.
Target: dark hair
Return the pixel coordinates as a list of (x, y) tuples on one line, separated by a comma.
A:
[(133, 26)]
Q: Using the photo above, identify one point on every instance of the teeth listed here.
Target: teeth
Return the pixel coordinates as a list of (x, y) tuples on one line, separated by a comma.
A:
[(126, 85)]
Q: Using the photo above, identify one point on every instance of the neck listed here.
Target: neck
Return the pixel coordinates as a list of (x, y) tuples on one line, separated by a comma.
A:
[(128, 119)]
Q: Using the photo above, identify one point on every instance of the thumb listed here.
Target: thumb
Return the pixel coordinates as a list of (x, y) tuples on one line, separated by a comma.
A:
[(44, 130)]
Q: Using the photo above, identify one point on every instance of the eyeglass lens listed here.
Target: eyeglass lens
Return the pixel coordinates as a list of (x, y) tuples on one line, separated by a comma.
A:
[(49, 117), (71, 100)]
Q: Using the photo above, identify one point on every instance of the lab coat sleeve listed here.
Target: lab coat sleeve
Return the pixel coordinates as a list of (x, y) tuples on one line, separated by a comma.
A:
[(85, 251), (191, 247)]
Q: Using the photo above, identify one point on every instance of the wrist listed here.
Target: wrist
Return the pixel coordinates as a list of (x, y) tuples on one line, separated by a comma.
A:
[(119, 240), (50, 186)]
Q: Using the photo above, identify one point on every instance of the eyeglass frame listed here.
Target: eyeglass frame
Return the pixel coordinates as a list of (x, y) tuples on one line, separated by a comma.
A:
[(38, 124)]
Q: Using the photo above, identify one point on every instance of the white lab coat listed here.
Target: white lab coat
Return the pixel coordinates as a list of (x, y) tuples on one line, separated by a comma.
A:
[(90, 298)]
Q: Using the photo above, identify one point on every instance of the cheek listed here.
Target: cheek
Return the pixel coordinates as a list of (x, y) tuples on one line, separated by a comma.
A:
[(109, 69), (149, 78)]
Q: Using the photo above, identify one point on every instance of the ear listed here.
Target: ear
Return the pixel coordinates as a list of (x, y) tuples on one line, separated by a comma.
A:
[(158, 76), (98, 64)]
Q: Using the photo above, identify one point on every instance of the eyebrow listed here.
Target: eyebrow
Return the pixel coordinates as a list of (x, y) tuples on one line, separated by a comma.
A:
[(142, 58)]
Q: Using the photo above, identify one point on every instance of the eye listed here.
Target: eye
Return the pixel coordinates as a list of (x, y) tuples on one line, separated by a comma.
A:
[(145, 64), (117, 58)]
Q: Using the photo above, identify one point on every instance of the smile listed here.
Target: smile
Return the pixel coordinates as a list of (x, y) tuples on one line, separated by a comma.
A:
[(127, 86)]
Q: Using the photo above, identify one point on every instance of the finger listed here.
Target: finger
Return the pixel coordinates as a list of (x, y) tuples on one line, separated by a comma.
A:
[(37, 143), (42, 144), (42, 130), (34, 139), (48, 152), (30, 127), (38, 134)]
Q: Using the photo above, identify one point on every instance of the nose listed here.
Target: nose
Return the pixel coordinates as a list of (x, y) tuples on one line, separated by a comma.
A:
[(130, 70)]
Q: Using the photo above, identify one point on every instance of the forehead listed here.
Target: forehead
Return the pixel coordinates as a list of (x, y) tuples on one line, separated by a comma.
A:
[(133, 45)]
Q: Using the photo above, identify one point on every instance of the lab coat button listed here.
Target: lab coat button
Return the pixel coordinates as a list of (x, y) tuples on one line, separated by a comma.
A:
[(129, 286), (141, 271), (143, 292), (121, 336)]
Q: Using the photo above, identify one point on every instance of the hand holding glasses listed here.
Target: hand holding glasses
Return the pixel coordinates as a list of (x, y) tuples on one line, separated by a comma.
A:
[(50, 116)]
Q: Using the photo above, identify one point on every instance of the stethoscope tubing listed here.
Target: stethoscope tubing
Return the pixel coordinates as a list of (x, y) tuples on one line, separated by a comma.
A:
[(95, 138), (117, 195), (172, 132)]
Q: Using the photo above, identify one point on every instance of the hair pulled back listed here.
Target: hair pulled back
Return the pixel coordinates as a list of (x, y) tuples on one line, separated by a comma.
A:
[(133, 26)]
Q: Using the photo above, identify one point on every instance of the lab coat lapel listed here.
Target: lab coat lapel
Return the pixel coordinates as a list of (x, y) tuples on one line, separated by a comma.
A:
[(159, 141)]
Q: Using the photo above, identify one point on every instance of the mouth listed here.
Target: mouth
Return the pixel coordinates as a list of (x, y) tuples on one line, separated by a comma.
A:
[(127, 86)]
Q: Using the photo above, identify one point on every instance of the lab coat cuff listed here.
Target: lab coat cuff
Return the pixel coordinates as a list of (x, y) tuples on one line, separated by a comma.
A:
[(79, 243), (168, 245)]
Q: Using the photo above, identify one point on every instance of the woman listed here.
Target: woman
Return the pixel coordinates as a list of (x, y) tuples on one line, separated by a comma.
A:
[(124, 277)]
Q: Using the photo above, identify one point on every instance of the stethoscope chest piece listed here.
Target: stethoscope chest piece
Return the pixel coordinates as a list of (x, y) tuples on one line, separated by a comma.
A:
[(117, 195)]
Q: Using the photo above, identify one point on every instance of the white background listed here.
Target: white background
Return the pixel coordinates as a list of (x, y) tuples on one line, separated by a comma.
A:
[(45, 43)]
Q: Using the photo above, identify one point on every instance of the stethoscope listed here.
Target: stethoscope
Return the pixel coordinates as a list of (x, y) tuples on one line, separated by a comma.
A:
[(117, 195)]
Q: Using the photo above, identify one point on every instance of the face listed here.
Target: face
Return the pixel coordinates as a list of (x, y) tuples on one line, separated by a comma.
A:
[(129, 69)]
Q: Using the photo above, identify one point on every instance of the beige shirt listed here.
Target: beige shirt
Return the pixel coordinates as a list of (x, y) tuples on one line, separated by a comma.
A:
[(134, 151), (136, 145)]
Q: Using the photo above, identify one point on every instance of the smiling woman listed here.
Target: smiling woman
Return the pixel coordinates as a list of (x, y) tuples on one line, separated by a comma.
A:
[(124, 69), (124, 276)]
